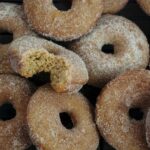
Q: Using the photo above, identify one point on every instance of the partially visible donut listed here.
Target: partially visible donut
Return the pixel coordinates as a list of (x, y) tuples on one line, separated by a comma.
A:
[(113, 6), (148, 128), (47, 20), (145, 5), (130, 49), (15, 93), (116, 107), (44, 112), (30, 55), (11, 20)]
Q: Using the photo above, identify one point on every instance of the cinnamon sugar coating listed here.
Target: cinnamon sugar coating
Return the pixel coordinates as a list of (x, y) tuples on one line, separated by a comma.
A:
[(113, 6), (11, 20), (47, 20), (113, 110), (131, 49), (14, 132), (30, 55), (46, 129), (145, 5)]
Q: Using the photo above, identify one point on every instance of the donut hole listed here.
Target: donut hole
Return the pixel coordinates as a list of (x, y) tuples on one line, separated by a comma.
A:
[(62, 5), (108, 49), (6, 37), (136, 113), (66, 120), (7, 112)]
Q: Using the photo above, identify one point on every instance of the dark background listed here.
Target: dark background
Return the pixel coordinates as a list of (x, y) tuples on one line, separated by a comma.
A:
[(133, 12)]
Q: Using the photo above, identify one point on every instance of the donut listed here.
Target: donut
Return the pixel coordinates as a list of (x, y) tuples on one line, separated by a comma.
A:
[(116, 107), (30, 55), (145, 5), (46, 110), (148, 128), (15, 93), (111, 6), (11, 21), (46, 19), (114, 46)]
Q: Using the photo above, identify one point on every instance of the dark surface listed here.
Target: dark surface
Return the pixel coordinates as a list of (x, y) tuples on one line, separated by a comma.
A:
[(132, 12)]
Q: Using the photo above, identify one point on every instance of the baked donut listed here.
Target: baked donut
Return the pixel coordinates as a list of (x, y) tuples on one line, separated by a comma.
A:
[(15, 93), (116, 107), (47, 110), (30, 55), (148, 128), (51, 22), (113, 6), (11, 20), (114, 46), (145, 5)]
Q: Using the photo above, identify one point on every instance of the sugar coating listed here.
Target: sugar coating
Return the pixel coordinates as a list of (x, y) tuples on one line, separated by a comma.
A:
[(145, 5), (131, 49), (43, 113), (113, 6), (30, 55), (11, 20), (14, 132), (148, 128), (45, 19), (130, 90)]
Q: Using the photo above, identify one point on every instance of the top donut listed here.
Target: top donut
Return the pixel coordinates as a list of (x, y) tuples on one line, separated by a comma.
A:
[(63, 25)]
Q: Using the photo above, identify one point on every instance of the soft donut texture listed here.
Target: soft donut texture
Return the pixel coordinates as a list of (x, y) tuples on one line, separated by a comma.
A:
[(113, 6), (145, 5), (148, 128), (30, 55), (14, 132), (130, 90), (131, 49), (11, 20), (43, 113), (47, 20)]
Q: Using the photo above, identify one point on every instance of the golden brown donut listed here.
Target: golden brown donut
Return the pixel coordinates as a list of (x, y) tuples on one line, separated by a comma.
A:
[(131, 49), (15, 93), (47, 20), (30, 55), (148, 128), (46, 128), (145, 5), (115, 108), (11, 20), (113, 6)]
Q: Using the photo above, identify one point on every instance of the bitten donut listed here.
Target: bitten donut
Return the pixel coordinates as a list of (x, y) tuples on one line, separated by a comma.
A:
[(116, 107), (46, 110), (113, 6), (49, 21), (115, 45), (15, 93), (148, 128), (30, 55), (11, 21), (145, 5)]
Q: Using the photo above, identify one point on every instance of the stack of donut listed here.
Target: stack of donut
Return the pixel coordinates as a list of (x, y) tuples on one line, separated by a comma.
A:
[(80, 43)]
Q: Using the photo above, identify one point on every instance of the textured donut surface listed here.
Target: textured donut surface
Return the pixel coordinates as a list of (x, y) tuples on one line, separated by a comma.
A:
[(44, 113), (119, 98), (131, 49), (145, 5), (148, 128), (11, 20), (14, 132), (47, 20), (113, 6), (30, 55)]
